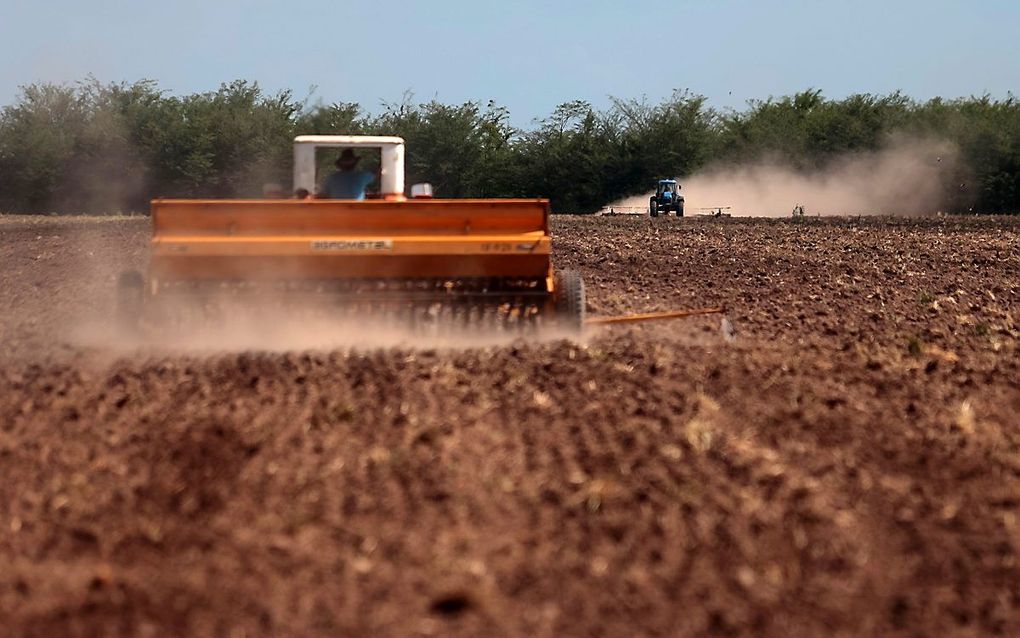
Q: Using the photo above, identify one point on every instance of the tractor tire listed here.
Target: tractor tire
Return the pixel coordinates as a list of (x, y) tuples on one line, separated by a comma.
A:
[(130, 300), (653, 208), (569, 301), (680, 210)]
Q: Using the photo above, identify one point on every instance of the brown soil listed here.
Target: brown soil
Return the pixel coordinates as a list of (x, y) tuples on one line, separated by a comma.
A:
[(848, 465)]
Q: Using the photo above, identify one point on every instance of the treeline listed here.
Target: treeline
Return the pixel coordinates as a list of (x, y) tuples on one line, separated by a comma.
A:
[(96, 147)]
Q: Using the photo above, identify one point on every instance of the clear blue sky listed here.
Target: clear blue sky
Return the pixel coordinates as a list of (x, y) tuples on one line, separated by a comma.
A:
[(529, 55)]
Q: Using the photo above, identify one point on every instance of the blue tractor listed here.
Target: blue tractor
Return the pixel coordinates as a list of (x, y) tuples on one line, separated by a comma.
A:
[(667, 198)]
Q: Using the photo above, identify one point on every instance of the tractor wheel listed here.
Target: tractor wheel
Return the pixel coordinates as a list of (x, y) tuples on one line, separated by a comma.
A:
[(653, 208), (680, 209), (130, 299), (569, 301)]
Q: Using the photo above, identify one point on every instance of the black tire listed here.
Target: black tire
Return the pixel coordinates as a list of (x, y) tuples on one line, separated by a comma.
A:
[(653, 207), (680, 209), (130, 299), (569, 301)]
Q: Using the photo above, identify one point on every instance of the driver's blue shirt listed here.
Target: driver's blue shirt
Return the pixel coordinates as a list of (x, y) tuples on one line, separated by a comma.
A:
[(347, 185)]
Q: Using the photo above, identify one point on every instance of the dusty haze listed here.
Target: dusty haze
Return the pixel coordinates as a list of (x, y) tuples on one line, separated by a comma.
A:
[(908, 176), (219, 326)]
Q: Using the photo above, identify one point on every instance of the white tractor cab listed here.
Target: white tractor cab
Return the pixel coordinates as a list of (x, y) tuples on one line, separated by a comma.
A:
[(391, 168)]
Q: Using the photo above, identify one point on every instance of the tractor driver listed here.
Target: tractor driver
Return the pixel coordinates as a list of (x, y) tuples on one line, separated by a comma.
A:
[(347, 182)]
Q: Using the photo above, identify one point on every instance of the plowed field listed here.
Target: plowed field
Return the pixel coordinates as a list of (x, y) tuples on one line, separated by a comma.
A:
[(845, 462)]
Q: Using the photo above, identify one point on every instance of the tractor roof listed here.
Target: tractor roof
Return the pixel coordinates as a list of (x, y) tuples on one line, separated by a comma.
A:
[(667, 181)]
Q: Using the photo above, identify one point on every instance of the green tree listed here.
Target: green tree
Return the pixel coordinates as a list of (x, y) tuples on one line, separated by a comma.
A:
[(95, 147)]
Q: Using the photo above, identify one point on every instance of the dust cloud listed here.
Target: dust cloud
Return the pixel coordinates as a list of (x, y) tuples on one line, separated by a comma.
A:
[(265, 327), (908, 176)]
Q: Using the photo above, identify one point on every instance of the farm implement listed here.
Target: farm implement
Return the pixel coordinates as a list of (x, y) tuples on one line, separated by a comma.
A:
[(465, 262)]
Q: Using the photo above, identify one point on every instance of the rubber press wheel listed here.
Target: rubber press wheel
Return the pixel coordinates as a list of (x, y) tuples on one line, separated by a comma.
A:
[(570, 301)]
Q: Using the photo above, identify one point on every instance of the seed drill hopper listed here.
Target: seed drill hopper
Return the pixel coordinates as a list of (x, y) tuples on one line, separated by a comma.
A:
[(465, 262)]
